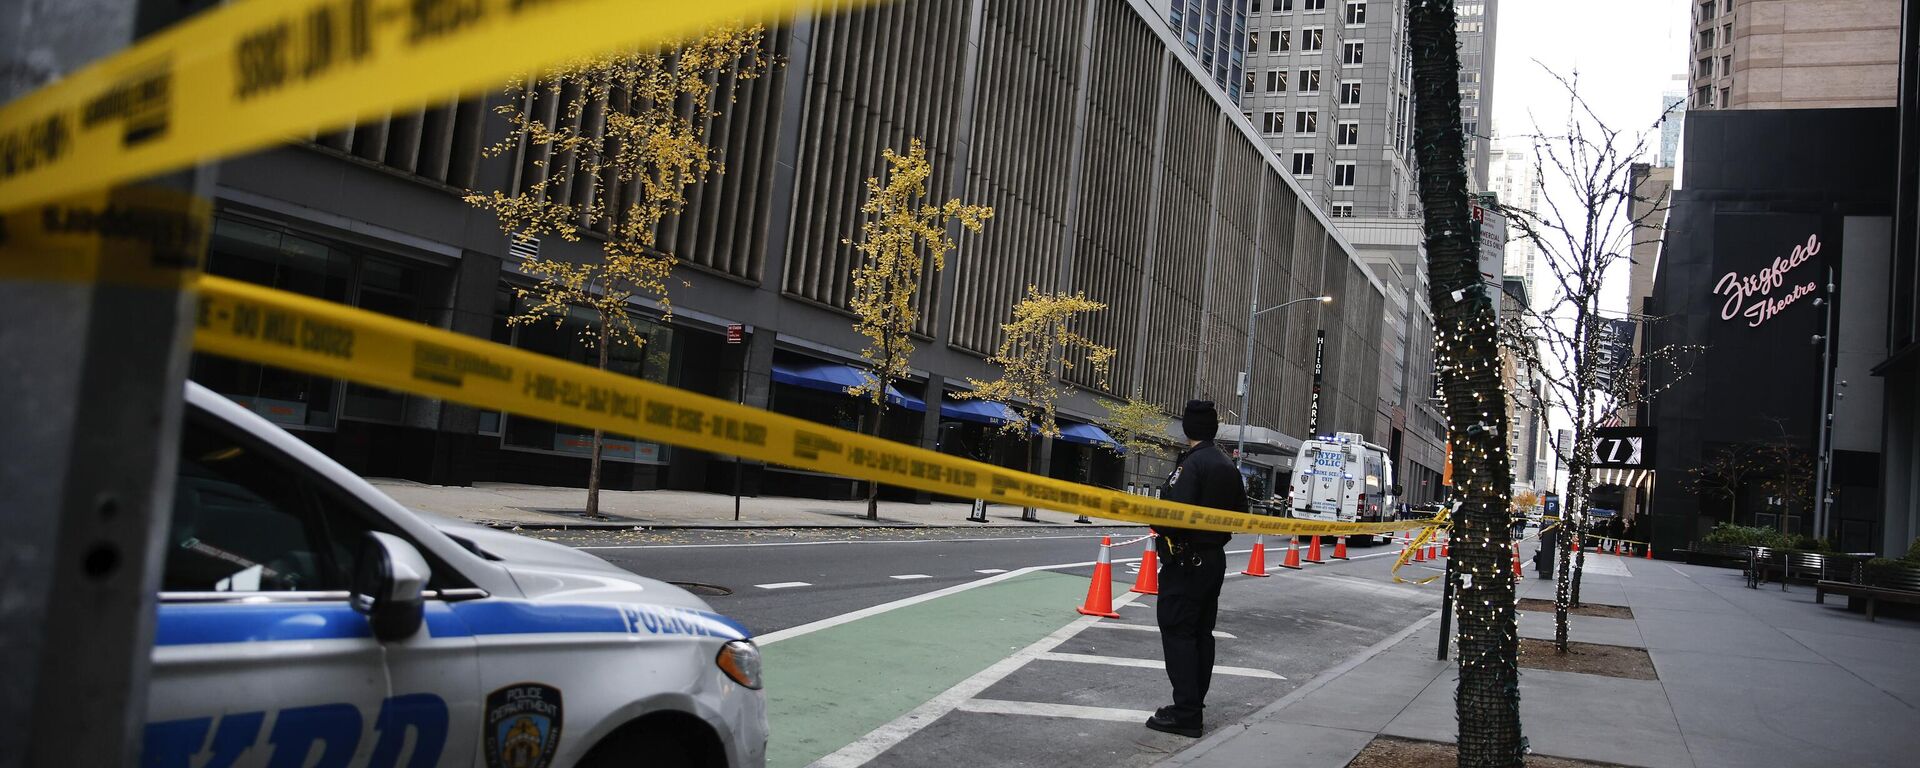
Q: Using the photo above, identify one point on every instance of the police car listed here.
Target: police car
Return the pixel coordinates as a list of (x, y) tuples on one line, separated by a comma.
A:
[(306, 619)]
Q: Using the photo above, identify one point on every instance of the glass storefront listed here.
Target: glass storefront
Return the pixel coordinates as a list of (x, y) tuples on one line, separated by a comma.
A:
[(290, 261), (572, 338)]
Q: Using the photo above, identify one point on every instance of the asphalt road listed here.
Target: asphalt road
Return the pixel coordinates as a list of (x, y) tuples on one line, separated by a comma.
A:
[(932, 647)]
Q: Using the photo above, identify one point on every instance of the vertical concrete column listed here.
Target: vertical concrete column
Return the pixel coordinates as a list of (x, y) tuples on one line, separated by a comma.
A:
[(930, 424), (456, 438)]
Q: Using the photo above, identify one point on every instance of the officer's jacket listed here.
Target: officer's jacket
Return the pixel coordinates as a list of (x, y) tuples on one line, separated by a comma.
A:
[(1206, 478)]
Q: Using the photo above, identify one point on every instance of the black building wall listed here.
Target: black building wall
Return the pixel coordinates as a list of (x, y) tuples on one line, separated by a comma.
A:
[(1756, 185)]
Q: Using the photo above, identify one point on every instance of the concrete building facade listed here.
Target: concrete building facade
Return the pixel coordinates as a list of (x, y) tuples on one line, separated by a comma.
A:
[(1112, 167), (1793, 54)]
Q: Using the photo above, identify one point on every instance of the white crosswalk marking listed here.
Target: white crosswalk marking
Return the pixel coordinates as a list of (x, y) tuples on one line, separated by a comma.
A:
[(1152, 628), (910, 576), (783, 585), (1118, 661), (1000, 707), (991, 570)]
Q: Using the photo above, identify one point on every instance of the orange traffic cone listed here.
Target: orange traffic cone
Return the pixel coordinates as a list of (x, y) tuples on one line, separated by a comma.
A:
[(1100, 591), (1340, 548), (1649, 550), (1517, 573), (1446, 546), (1313, 551), (1293, 554), (1149, 581), (1257, 564), (1616, 549)]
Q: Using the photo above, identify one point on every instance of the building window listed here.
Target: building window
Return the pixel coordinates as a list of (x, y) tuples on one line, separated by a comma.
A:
[(1253, 42), (1303, 162), (1349, 94), (1725, 101), (1706, 39), (1726, 34), (1313, 5), (1310, 81), (1282, 6), (1276, 81), (1356, 11), (1353, 54), (1306, 121), (650, 362), (1252, 81), (1343, 174), (1348, 134), (1273, 122), (1279, 40), (1343, 210), (1704, 67), (1471, 128), (1311, 38), (1726, 65)]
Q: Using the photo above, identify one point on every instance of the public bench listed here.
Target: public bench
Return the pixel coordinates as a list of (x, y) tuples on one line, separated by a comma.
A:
[(1902, 585)]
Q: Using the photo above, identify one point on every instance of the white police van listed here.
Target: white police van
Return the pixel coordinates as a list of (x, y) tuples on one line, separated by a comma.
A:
[(306, 619)]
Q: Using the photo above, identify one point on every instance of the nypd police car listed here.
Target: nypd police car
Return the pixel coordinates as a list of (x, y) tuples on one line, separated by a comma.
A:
[(306, 619)]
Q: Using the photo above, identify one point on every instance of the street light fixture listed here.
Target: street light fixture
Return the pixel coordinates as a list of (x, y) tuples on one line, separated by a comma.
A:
[(1246, 376)]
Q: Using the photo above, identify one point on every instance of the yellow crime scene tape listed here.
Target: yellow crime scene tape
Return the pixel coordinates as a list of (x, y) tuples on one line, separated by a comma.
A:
[(264, 325), (252, 73)]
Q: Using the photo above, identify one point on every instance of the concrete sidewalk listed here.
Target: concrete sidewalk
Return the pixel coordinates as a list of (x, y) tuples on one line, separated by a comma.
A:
[(1747, 678), (512, 505)]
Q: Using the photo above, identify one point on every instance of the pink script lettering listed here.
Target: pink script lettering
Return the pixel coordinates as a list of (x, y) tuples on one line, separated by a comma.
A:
[(1739, 289)]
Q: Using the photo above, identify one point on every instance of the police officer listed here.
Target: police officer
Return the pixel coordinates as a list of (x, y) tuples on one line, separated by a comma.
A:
[(1192, 565)]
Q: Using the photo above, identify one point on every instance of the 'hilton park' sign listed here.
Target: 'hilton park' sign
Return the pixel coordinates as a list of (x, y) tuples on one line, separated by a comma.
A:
[(1753, 296)]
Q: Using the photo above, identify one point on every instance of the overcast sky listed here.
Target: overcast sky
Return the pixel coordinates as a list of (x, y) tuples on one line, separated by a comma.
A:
[(1626, 53)]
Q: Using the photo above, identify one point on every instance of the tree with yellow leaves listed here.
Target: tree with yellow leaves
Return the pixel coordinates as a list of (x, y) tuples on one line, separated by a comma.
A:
[(1040, 345), (613, 142), (1139, 426), (903, 234)]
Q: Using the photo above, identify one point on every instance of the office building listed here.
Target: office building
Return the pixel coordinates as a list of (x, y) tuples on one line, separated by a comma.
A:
[(1211, 31), (1673, 121), (1112, 165), (1793, 54)]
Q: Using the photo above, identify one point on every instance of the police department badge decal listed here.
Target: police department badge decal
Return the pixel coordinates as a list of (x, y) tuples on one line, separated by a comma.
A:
[(523, 726)]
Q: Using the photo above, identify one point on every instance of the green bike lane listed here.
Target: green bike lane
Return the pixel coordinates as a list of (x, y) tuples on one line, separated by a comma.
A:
[(828, 688)]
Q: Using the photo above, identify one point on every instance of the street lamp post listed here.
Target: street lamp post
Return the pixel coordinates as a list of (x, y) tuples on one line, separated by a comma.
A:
[(1246, 375)]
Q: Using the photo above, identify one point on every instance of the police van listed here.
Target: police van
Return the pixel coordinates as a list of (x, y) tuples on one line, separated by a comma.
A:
[(1342, 478), (306, 619)]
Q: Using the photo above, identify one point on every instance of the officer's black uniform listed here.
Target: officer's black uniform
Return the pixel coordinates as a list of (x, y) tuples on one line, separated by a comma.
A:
[(1192, 566)]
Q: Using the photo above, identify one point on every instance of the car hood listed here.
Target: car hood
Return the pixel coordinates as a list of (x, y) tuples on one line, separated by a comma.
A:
[(548, 571)]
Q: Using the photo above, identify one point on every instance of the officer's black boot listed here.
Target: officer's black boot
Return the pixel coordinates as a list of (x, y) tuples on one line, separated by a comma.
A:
[(1165, 722)]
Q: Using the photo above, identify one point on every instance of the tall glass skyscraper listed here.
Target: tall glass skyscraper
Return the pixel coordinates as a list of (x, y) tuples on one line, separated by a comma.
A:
[(1213, 31)]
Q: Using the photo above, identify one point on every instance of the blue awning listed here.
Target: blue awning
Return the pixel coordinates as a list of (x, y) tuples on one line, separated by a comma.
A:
[(1086, 434), (978, 411), (833, 377)]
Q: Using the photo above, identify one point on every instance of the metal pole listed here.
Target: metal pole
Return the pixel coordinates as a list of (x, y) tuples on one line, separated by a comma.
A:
[(1246, 385), (91, 382), (1820, 511), (738, 462), (1446, 611)]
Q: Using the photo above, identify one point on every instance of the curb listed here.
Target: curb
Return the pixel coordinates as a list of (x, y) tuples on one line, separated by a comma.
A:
[(640, 526)]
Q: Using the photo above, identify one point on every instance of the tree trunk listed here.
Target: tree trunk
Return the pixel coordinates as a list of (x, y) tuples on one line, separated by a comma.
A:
[(599, 437), (1487, 701), (876, 411)]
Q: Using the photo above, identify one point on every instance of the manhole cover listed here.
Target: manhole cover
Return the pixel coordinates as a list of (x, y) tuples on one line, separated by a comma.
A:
[(709, 590)]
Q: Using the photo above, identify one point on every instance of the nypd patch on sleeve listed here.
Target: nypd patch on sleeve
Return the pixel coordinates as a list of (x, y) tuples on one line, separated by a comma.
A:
[(523, 726)]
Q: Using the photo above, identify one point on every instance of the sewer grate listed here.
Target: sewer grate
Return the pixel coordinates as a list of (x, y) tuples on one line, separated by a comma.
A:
[(707, 590)]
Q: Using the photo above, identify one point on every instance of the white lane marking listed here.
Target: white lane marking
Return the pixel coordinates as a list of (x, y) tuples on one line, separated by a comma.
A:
[(910, 576), (883, 738), (1119, 661), (1038, 709), (784, 585), (837, 541), (991, 570), (1152, 628), (875, 610)]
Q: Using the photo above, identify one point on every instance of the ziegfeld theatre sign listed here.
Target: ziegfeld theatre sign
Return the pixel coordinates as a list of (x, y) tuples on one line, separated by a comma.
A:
[(1761, 296)]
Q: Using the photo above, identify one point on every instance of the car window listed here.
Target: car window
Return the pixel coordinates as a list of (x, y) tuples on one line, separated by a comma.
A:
[(247, 520)]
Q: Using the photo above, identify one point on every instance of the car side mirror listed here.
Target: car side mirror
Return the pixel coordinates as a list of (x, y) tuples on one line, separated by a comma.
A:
[(389, 581)]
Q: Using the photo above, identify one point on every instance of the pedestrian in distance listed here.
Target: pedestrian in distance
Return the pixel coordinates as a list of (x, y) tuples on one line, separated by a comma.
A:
[(1193, 564)]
